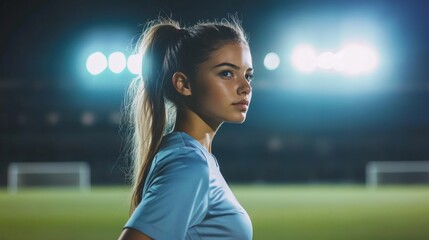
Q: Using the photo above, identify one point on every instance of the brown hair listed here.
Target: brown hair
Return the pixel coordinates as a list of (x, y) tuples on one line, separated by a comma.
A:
[(152, 100)]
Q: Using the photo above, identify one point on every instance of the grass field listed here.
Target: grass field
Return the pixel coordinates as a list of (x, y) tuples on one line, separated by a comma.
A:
[(277, 212)]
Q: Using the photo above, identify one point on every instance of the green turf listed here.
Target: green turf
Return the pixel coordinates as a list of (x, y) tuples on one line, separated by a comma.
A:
[(277, 212)]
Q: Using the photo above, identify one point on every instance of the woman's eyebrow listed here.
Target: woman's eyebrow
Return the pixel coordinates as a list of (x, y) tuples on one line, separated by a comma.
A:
[(226, 64), (230, 65)]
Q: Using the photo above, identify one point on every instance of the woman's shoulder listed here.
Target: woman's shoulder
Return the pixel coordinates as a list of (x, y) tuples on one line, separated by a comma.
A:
[(180, 149), (179, 140)]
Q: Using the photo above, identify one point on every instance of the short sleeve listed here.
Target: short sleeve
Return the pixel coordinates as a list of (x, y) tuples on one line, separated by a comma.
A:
[(176, 195)]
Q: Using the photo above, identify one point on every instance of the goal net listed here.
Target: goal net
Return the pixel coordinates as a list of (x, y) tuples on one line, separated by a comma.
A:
[(397, 172), (48, 174)]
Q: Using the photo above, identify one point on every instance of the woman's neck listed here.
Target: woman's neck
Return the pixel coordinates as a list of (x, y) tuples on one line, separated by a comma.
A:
[(191, 123)]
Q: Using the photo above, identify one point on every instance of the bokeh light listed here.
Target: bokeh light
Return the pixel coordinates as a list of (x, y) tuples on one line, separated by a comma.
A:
[(358, 58), (134, 64), (304, 58), (117, 62), (271, 61), (353, 59), (96, 63), (326, 60)]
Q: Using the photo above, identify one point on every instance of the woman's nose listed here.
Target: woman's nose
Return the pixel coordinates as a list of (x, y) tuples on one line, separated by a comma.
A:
[(245, 87)]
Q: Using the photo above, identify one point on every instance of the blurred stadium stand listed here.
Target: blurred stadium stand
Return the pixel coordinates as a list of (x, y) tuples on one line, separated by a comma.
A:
[(274, 151)]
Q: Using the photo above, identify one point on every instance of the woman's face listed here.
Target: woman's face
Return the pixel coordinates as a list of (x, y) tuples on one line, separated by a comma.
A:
[(221, 91)]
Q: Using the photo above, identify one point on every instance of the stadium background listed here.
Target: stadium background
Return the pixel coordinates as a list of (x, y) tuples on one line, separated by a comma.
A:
[(302, 128)]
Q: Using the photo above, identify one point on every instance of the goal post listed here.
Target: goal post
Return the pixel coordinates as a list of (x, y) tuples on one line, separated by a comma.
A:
[(397, 172), (48, 174)]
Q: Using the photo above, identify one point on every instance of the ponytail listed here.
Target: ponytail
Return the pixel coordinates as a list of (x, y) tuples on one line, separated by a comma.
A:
[(151, 115)]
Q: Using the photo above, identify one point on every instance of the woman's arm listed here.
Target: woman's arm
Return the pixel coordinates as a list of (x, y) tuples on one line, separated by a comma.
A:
[(131, 234)]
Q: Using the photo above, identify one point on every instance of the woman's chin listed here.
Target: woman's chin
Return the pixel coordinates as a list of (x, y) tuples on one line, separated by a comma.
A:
[(238, 119)]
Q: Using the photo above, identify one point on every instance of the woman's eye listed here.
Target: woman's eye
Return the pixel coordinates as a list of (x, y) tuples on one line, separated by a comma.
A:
[(249, 77), (226, 74)]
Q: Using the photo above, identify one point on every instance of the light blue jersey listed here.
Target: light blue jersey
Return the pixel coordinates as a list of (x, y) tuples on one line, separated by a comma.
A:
[(186, 197)]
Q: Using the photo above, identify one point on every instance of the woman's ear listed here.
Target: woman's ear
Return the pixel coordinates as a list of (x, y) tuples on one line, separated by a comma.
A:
[(181, 84)]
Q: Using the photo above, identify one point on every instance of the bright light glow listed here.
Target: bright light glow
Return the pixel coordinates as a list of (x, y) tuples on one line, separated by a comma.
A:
[(304, 58), (353, 59), (117, 62), (272, 61), (134, 64), (358, 58), (338, 61), (96, 63), (326, 60)]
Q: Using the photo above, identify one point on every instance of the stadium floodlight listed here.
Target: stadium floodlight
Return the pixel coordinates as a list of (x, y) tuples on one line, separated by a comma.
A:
[(271, 61), (117, 62), (134, 64), (352, 59), (326, 60), (304, 58), (96, 63), (358, 58), (338, 61)]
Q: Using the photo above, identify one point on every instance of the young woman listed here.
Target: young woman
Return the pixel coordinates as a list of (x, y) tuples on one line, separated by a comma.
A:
[(193, 80)]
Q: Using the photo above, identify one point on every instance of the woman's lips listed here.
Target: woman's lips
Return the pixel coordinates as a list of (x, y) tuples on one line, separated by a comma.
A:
[(242, 105)]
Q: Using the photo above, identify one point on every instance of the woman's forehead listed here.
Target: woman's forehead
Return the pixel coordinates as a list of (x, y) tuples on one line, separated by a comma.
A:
[(235, 53)]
